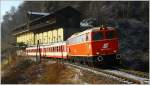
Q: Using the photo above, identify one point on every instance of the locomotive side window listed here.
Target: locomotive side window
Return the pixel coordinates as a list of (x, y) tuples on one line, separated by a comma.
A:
[(87, 37), (110, 34), (79, 39), (97, 36)]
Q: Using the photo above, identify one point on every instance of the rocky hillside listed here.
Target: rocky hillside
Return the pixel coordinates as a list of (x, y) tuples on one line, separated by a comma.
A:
[(131, 18)]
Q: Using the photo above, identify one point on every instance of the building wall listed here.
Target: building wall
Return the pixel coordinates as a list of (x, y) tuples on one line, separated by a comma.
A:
[(27, 38), (51, 36)]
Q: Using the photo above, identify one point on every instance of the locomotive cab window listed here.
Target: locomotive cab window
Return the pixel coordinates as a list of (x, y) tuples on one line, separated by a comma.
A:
[(97, 36)]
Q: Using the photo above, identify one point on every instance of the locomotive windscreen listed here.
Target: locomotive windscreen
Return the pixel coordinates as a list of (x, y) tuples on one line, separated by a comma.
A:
[(97, 36)]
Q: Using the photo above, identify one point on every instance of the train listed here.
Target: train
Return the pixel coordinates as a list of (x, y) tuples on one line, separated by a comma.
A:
[(95, 45)]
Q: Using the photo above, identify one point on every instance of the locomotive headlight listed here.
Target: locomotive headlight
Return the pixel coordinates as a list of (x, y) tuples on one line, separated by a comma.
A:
[(105, 45), (114, 51), (89, 46)]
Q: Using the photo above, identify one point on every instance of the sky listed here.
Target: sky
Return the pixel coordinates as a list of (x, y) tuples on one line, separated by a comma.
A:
[(5, 5)]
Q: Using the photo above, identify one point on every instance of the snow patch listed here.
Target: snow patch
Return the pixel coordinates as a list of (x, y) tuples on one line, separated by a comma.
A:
[(51, 62)]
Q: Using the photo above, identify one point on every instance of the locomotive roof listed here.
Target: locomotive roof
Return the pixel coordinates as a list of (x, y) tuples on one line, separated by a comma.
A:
[(94, 29)]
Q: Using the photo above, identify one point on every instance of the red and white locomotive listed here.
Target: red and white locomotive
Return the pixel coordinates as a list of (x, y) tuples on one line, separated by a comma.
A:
[(92, 45)]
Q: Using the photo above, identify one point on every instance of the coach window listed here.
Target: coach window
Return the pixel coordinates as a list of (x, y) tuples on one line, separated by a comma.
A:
[(53, 49), (50, 49), (97, 36), (59, 48), (62, 48), (56, 48)]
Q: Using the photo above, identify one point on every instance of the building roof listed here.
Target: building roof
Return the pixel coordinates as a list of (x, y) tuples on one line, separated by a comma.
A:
[(39, 21), (37, 13)]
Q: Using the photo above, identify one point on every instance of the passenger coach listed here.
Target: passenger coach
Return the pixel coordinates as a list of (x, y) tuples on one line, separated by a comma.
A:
[(56, 50)]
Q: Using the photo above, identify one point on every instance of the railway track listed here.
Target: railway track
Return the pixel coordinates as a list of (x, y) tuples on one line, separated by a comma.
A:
[(120, 76)]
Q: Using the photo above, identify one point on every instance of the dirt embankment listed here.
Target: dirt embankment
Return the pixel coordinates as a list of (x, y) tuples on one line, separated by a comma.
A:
[(53, 72), (22, 71)]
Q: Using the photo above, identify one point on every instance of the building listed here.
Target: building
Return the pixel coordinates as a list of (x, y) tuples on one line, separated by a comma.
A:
[(49, 28)]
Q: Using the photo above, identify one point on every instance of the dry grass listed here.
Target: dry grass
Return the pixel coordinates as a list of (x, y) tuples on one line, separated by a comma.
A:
[(57, 73), (12, 72)]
